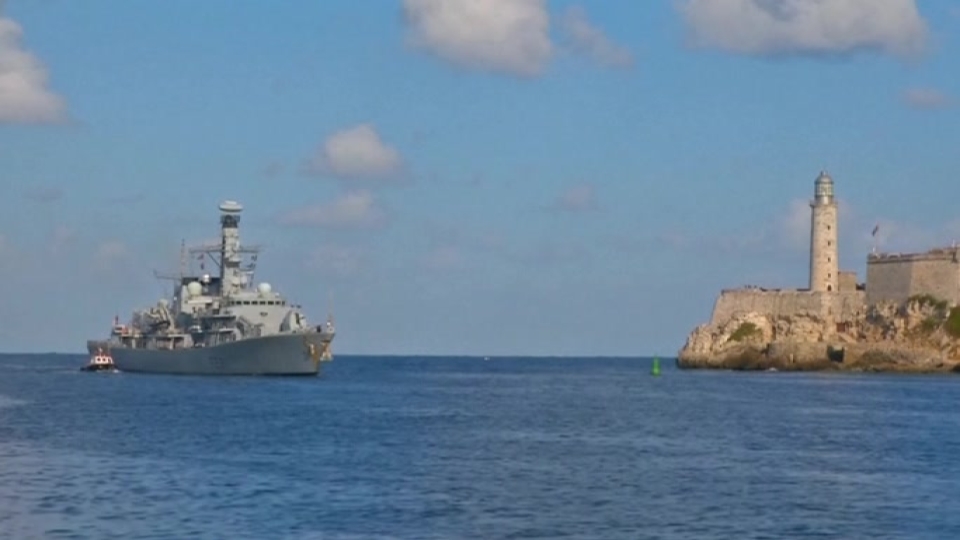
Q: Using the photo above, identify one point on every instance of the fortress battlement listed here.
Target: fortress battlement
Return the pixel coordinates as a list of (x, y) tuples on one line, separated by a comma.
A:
[(936, 254), (840, 306)]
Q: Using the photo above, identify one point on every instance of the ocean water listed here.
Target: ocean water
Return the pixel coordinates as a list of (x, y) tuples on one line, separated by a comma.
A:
[(465, 448)]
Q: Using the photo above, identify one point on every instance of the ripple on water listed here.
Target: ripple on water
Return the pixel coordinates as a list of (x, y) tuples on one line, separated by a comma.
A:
[(7, 402), (500, 449)]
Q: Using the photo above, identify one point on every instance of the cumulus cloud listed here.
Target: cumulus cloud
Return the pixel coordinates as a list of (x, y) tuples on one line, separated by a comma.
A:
[(587, 39), (337, 260), (43, 194), (794, 225), (111, 249), (356, 153), (24, 95), (443, 258), (354, 210), (774, 27), (507, 36), (62, 237), (273, 169), (926, 98), (551, 253), (109, 255), (902, 236), (579, 198)]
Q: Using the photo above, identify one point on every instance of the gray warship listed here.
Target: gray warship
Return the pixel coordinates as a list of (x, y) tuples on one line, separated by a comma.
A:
[(219, 324)]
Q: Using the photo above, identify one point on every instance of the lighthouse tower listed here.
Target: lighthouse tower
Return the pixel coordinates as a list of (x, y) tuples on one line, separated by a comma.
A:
[(824, 267)]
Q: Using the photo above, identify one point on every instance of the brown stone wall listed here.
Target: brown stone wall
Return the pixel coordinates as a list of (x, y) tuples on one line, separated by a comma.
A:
[(848, 281), (895, 278), (788, 303)]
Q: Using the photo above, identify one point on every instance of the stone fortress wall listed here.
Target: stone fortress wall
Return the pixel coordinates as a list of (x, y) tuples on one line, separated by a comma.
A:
[(840, 306), (896, 277)]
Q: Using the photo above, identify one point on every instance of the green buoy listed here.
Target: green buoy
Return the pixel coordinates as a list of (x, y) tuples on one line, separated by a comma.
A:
[(655, 371)]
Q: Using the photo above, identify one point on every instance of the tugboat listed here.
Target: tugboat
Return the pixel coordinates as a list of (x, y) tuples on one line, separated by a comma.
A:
[(99, 362)]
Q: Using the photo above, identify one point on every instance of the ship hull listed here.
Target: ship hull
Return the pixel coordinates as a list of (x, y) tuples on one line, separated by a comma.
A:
[(282, 354)]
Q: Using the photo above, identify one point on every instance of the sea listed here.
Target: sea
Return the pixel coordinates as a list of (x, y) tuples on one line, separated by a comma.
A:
[(470, 447)]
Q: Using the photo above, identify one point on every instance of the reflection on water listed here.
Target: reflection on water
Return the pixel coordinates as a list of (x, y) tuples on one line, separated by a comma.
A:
[(435, 448)]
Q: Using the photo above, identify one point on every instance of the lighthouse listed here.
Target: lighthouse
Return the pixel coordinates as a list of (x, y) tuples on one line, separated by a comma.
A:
[(824, 267)]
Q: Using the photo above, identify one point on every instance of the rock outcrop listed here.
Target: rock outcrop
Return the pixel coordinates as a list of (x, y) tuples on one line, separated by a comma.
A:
[(919, 335)]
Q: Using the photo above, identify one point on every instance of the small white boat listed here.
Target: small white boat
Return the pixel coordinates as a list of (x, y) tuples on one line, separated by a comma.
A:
[(100, 362)]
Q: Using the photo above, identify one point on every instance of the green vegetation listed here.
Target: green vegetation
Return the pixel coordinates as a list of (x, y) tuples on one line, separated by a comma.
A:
[(929, 300), (928, 325), (952, 325), (744, 331)]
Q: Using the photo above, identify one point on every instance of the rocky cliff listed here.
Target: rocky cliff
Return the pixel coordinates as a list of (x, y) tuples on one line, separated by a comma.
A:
[(919, 335)]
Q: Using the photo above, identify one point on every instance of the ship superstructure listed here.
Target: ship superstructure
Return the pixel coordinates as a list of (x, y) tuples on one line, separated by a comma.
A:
[(220, 324)]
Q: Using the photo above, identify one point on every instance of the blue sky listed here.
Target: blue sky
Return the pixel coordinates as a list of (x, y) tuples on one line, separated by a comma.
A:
[(452, 177)]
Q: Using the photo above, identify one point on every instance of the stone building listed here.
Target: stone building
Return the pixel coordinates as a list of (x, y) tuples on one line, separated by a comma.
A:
[(894, 277)]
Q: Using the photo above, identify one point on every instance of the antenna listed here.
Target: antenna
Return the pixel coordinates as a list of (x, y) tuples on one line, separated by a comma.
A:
[(183, 257)]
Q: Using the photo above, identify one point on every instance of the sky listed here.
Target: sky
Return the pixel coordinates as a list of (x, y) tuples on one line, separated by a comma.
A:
[(497, 177)]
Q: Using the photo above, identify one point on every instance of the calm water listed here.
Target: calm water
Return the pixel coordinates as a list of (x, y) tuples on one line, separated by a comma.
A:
[(466, 448)]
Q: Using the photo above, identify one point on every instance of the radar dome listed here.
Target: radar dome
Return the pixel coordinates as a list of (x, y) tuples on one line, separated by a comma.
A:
[(264, 288), (230, 207), (194, 288)]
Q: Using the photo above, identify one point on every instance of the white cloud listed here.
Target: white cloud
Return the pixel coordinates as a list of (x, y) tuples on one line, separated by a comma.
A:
[(926, 98), (579, 198), (337, 260), (771, 27), (443, 258), (109, 255), (586, 38), (508, 36), (273, 169), (794, 225), (357, 210), (551, 253), (905, 237), (44, 194), (63, 236), (24, 96), (356, 153), (111, 249)]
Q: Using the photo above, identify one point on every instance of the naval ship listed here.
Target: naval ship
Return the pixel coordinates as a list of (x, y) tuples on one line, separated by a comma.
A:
[(219, 324)]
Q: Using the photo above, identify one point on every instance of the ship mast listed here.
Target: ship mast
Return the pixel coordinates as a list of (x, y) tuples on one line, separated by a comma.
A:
[(231, 277), (227, 254)]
